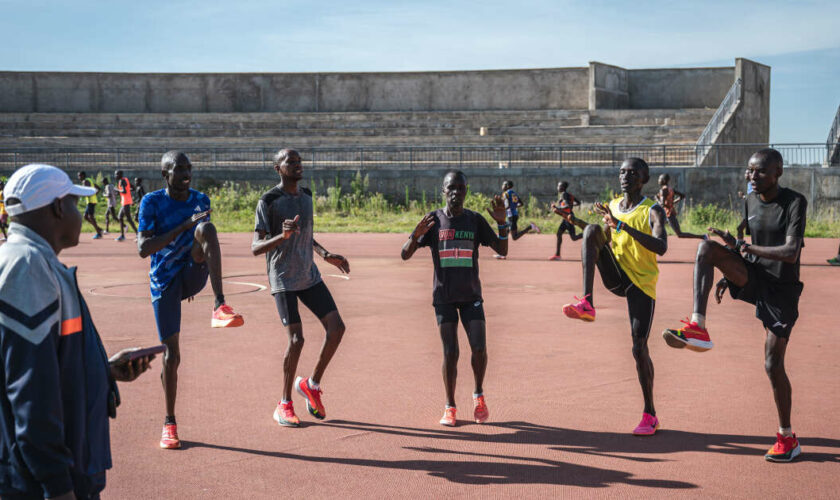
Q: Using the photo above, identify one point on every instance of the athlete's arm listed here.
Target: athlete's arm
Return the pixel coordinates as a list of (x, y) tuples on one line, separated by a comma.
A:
[(121, 186), (337, 260), (148, 243), (656, 242), (499, 244), (678, 197), (788, 252), (410, 246), (742, 226), (260, 245)]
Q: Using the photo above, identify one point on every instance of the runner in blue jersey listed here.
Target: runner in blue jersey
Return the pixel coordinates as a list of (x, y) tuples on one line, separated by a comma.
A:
[(175, 230), (512, 204)]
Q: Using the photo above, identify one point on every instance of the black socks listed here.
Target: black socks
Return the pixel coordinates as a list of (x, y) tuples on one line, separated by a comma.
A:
[(220, 299)]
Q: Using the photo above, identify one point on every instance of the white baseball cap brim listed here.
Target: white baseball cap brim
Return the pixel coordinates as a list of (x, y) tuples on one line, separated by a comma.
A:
[(37, 185)]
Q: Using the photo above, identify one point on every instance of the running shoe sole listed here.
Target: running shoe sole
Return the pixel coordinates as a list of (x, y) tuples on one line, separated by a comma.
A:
[(312, 410), (170, 447), (282, 421), (571, 312), (784, 458), (227, 323), (447, 423), (678, 342)]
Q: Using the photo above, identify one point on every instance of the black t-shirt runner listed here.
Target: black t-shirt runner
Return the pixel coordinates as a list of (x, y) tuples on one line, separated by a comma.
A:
[(454, 242), (771, 223)]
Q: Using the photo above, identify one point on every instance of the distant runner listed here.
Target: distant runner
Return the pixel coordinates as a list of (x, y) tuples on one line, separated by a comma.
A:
[(668, 197), (512, 204), (564, 207), (90, 204)]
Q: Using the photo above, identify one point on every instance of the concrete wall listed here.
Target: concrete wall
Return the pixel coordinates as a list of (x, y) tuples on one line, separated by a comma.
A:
[(600, 86), (718, 185), (562, 88), (750, 124), (678, 88), (612, 87)]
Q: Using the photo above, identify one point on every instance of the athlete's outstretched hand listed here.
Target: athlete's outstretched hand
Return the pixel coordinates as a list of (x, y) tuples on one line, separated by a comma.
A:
[(339, 262), (605, 212), (720, 287), (423, 226), (290, 226), (497, 210), (726, 236)]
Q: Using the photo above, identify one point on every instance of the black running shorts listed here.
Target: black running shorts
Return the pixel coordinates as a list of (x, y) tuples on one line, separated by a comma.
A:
[(316, 298)]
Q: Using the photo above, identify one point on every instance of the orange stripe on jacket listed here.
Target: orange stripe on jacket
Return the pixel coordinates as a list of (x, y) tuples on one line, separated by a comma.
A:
[(70, 326)]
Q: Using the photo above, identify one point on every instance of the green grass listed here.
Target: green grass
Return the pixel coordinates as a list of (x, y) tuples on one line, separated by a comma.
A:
[(360, 211)]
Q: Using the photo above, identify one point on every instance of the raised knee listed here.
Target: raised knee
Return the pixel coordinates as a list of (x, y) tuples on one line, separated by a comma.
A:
[(591, 231), (705, 249), (205, 229)]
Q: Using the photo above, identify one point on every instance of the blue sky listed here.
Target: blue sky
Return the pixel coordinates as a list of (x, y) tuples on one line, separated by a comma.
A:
[(799, 40)]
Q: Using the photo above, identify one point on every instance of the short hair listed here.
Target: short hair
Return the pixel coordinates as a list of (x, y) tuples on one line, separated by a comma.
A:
[(508, 182), (83, 173), (454, 173), (640, 164), (172, 159), (665, 177), (564, 184), (282, 154), (769, 156)]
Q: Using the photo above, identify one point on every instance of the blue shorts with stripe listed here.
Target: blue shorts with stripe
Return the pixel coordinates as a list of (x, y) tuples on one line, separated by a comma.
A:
[(189, 281)]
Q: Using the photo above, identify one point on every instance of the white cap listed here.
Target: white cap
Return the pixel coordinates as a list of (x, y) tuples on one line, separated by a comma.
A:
[(37, 185)]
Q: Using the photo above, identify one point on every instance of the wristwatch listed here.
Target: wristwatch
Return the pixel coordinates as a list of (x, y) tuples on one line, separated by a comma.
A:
[(740, 245)]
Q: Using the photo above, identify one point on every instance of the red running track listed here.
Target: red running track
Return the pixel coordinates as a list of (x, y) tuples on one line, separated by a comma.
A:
[(563, 395)]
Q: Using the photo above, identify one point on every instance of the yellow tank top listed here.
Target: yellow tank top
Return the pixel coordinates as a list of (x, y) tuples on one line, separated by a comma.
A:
[(88, 200), (2, 204), (637, 261)]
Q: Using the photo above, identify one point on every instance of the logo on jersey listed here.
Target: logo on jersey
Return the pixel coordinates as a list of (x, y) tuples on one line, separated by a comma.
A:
[(456, 248)]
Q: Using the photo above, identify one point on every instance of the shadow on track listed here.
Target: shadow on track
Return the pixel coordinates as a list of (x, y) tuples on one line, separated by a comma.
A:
[(610, 444), (515, 470)]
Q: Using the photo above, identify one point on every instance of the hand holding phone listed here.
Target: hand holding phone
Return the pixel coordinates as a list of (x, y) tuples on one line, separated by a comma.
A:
[(128, 364)]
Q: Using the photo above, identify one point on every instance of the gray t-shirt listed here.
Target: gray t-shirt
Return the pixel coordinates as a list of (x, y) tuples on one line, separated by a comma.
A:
[(289, 265)]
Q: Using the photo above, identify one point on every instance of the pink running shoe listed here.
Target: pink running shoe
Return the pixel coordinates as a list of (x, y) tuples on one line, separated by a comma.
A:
[(582, 310), (648, 425), (555, 257)]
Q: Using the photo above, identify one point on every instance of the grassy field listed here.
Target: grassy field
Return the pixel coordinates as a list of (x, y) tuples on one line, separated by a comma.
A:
[(362, 211)]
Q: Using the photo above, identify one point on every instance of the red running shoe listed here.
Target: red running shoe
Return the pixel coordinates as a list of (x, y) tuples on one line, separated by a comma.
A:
[(785, 449), (582, 310), (225, 317), (169, 438), (313, 398), (690, 336), (284, 415), (555, 257), (481, 413), (448, 419)]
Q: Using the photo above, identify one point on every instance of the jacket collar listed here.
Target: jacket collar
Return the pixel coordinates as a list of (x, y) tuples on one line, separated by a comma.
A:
[(18, 233)]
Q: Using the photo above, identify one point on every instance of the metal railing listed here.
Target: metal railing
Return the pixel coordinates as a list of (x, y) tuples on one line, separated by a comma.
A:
[(724, 111), (833, 139), (415, 157)]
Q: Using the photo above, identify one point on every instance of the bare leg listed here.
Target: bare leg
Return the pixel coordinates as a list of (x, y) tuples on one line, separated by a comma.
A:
[(711, 255), (560, 231), (640, 309), (774, 364), (108, 212), (92, 220), (127, 209), (675, 225), (169, 372), (594, 240), (290, 359), (476, 335), (449, 337), (206, 249), (335, 331)]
